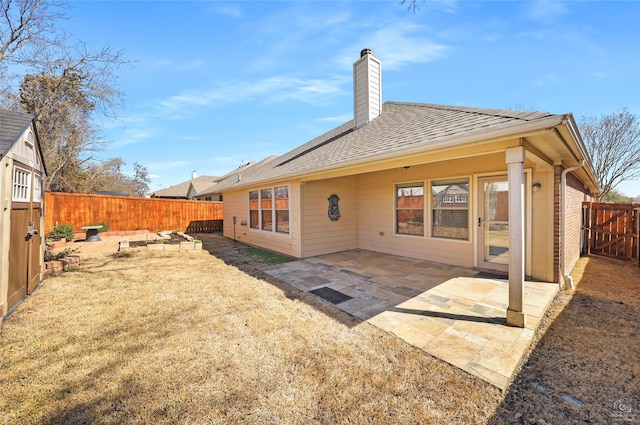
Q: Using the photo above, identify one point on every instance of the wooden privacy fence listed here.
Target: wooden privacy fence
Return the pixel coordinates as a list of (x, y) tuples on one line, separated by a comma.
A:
[(611, 230), (123, 213)]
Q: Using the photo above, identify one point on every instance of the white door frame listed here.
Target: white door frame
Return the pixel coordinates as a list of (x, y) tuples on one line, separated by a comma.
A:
[(479, 212)]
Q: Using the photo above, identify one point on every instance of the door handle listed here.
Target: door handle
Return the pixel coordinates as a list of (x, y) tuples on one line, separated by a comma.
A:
[(479, 222)]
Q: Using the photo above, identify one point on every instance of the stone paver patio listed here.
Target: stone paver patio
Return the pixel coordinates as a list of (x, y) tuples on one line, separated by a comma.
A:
[(453, 313)]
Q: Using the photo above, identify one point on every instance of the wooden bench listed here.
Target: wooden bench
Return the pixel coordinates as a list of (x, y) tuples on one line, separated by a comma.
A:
[(93, 234)]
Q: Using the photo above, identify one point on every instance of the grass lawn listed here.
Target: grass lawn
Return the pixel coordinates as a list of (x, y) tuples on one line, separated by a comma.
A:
[(155, 337)]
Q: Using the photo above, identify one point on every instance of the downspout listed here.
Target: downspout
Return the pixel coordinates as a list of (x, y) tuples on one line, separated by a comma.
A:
[(563, 222)]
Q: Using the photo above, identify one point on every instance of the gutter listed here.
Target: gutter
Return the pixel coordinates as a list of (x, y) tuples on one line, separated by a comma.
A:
[(564, 276)]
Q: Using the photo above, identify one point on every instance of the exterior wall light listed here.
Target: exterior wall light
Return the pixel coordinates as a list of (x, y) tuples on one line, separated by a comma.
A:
[(536, 187)]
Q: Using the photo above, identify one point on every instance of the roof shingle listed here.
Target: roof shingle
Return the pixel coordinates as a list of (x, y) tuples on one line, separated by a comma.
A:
[(401, 126)]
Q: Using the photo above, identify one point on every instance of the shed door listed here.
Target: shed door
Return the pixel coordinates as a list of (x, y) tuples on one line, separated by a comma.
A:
[(18, 256), (25, 257)]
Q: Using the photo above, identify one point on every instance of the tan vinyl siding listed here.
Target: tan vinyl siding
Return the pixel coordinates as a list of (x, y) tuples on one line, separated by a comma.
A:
[(236, 203), (320, 235), (367, 207), (542, 226), (377, 218)]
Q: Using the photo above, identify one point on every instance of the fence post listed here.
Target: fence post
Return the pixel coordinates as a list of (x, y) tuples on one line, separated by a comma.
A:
[(637, 217), (584, 245)]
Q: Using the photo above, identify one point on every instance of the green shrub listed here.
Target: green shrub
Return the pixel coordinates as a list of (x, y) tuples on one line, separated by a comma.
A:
[(62, 231)]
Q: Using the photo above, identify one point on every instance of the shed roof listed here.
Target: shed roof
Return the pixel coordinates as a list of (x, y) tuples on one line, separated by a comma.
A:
[(12, 125)]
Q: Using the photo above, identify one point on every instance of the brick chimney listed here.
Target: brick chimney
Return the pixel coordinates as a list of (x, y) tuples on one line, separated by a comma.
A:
[(367, 88)]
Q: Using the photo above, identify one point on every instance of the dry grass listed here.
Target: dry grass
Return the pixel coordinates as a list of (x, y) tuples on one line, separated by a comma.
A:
[(153, 337), (150, 337), (589, 352)]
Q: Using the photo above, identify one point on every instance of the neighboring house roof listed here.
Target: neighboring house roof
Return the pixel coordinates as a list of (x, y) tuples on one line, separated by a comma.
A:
[(181, 190), (401, 128), (238, 171), (12, 126)]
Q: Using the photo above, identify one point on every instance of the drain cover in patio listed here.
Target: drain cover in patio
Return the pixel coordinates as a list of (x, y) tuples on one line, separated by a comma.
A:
[(331, 295)]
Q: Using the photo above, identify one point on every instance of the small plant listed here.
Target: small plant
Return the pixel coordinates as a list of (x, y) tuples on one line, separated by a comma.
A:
[(61, 231)]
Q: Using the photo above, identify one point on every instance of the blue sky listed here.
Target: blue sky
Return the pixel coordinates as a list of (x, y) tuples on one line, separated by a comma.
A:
[(217, 84)]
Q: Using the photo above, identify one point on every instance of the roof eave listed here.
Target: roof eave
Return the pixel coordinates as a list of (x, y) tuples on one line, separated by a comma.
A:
[(521, 130)]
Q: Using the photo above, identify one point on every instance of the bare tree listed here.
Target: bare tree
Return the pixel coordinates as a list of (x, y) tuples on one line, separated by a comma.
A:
[(412, 5), (28, 29), (68, 88), (613, 141)]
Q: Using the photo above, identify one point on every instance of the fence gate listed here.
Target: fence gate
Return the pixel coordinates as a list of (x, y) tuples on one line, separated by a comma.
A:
[(611, 230)]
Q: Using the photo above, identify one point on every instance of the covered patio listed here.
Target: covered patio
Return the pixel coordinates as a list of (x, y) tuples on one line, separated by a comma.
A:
[(454, 313)]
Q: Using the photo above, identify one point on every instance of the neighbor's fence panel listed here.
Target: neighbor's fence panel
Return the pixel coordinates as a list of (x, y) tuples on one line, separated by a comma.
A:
[(123, 213), (612, 230)]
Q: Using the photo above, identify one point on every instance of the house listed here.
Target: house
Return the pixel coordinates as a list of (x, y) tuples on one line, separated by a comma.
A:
[(209, 193), (22, 171), (187, 189), (506, 188), (198, 188)]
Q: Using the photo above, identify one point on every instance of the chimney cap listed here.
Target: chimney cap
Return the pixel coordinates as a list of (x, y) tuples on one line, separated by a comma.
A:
[(366, 51)]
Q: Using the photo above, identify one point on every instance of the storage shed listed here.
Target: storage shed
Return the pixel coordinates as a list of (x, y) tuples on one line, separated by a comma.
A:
[(22, 171)]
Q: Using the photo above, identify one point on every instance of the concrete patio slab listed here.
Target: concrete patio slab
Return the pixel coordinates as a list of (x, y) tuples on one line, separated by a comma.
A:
[(453, 313)]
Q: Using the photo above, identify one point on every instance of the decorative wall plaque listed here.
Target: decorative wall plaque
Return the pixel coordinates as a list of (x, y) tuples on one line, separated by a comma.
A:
[(334, 209)]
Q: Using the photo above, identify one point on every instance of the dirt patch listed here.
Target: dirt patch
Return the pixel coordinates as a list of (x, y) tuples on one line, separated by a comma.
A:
[(172, 239)]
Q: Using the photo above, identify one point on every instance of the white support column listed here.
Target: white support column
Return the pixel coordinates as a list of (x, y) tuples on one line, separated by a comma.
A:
[(515, 160)]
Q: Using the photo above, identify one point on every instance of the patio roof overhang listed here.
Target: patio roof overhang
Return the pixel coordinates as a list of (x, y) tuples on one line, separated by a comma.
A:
[(554, 140)]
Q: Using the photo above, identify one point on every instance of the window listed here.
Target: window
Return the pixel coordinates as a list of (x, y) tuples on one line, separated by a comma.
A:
[(266, 209), (410, 209), (267, 204), (254, 209), (37, 188), (282, 209), (21, 185), (450, 209)]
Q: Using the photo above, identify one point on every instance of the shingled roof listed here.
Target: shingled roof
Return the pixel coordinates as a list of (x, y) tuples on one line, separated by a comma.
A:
[(12, 125), (399, 128), (180, 190)]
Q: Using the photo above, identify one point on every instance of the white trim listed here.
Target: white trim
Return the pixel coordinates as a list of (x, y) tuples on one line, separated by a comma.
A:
[(22, 186), (274, 210)]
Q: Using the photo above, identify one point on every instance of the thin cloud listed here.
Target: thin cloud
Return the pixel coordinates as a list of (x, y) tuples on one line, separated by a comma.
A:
[(546, 11), (399, 45), (130, 137), (336, 119), (272, 89), (229, 10)]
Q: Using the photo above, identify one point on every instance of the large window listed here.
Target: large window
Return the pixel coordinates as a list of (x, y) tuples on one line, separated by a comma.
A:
[(410, 209), (450, 209), (21, 185), (267, 204)]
